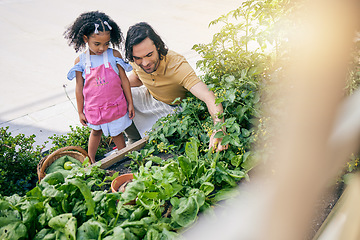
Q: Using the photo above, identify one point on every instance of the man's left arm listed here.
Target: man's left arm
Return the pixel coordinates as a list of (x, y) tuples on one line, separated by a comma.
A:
[(201, 91)]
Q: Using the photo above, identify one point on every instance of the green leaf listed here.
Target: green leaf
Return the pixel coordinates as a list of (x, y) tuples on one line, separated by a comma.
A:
[(191, 149), (219, 134), (129, 234), (8, 220), (245, 132), (148, 164), (207, 188), (236, 174), (91, 229), (16, 230), (118, 234), (199, 195), (246, 155), (175, 202), (231, 95), (51, 192), (235, 140), (132, 190), (54, 178), (226, 193), (86, 192), (30, 216), (137, 214), (249, 162), (156, 159), (152, 234), (4, 205), (187, 211), (219, 100), (207, 176), (185, 165), (226, 140), (236, 160), (59, 222), (167, 235), (45, 234), (71, 228)]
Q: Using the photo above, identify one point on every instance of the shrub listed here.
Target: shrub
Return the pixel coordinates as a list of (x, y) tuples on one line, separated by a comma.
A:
[(18, 161)]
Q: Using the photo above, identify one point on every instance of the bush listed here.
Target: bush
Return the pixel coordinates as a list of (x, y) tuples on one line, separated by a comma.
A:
[(18, 161)]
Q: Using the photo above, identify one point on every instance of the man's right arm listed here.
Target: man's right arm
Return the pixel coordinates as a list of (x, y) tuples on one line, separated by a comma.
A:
[(134, 80)]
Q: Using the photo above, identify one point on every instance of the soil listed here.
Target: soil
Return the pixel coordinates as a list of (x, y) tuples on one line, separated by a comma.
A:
[(121, 166)]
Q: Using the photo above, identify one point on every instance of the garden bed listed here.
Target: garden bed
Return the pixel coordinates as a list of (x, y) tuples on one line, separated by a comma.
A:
[(323, 207)]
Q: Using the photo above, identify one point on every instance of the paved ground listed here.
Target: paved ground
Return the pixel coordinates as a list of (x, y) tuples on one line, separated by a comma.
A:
[(35, 97)]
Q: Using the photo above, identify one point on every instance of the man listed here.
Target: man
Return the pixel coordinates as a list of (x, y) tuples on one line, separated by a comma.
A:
[(160, 76)]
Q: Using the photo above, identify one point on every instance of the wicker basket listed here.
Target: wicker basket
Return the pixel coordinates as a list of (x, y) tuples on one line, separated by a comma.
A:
[(79, 154)]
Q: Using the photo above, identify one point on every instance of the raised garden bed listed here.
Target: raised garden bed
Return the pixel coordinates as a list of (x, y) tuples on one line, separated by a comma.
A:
[(324, 206)]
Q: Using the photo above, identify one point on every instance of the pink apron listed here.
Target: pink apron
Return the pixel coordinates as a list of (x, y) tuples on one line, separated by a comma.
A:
[(103, 95)]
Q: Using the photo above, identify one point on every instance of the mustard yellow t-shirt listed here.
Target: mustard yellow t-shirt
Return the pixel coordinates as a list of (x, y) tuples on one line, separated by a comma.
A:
[(172, 79)]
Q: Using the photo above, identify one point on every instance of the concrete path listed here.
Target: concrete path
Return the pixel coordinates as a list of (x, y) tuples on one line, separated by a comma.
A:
[(35, 96)]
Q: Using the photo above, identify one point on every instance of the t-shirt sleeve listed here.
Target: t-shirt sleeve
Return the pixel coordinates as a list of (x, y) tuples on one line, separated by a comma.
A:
[(126, 66), (186, 75), (76, 68)]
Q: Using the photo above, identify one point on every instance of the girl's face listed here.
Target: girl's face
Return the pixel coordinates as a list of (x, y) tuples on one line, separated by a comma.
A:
[(98, 43)]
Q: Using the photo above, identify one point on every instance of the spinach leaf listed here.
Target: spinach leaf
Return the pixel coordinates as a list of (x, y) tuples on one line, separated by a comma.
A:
[(186, 212), (86, 192), (91, 229), (59, 222), (15, 230), (118, 234)]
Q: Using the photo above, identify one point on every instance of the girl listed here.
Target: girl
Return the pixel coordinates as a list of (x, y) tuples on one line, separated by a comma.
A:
[(102, 90)]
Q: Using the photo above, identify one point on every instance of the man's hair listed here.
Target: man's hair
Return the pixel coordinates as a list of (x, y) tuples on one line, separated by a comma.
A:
[(137, 33)]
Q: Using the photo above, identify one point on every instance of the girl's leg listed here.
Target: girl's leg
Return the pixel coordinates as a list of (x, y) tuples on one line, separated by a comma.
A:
[(94, 141), (119, 141)]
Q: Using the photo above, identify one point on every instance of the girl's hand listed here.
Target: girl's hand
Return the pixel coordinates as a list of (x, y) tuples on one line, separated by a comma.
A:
[(131, 111), (82, 118)]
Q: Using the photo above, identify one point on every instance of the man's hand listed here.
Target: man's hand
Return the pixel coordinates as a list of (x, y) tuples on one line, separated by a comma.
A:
[(215, 143)]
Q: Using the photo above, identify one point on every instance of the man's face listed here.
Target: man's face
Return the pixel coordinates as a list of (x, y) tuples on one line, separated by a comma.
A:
[(146, 56)]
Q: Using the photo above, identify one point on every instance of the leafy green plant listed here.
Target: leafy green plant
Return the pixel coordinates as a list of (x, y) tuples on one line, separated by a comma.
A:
[(64, 205), (139, 157), (18, 160), (79, 136), (171, 192), (175, 190)]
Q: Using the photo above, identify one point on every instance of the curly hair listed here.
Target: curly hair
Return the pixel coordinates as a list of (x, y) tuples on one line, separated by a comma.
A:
[(84, 25), (137, 33)]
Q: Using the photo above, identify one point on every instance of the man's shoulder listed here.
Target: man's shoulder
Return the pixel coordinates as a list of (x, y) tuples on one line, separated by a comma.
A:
[(172, 55), (174, 59)]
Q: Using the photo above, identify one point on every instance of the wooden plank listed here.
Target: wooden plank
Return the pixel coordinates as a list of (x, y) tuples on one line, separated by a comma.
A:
[(344, 218), (119, 155)]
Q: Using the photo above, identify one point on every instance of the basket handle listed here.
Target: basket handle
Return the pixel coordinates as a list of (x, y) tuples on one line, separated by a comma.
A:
[(77, 148)]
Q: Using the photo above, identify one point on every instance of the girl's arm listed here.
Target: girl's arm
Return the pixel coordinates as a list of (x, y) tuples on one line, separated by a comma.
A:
[(134, 80), (79, 96), (126, 87)]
